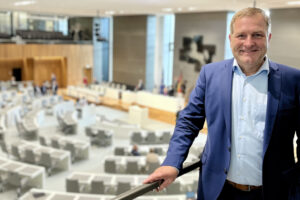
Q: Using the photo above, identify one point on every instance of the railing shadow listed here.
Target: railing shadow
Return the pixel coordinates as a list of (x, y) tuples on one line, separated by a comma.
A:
[(142, 189)]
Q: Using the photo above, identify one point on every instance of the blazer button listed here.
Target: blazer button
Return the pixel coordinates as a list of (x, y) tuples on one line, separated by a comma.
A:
[(229, 149), (225, 171)]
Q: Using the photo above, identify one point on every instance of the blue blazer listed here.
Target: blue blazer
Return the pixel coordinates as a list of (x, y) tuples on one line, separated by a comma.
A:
[(211, 100)]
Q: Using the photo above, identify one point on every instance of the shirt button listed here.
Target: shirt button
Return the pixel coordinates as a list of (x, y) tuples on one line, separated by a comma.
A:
[(244, 99), (241, 118), (225, 171)]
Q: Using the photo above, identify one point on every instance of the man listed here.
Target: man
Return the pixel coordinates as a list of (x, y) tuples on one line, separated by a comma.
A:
[(252, 108), (135, 151), (152, 161)]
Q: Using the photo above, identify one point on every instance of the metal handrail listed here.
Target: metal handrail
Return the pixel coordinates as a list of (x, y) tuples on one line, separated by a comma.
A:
[(142, 189)]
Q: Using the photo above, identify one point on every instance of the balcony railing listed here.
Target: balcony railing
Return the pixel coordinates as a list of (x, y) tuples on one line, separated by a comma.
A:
[(142, 189)]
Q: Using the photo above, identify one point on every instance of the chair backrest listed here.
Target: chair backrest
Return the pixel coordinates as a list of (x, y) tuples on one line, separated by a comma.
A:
[(150, 138), (151, 167), (55, 144), (70, 147), (15, 152), (174, 188), (110, 166), (158, 150), (132, 167), (137, 138), (29, 156), (42, 140), (165, 138), (119, 151), (45, 160), (72, 185), (14, 178), (101, 134), (88, 131), (4, 147), (123, 187), (97, 187)]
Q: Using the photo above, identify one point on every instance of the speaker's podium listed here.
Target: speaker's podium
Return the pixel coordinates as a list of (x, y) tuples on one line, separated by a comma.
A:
[(138, 115)]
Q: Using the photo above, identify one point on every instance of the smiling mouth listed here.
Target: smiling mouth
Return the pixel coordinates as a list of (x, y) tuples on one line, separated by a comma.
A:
[(248, 51)]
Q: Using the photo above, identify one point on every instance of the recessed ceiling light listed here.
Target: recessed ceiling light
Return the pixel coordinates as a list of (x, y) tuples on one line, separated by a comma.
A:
[(167, 9), (110, 12), (179, 9), (192, 8), (293, 2), (24, 3)]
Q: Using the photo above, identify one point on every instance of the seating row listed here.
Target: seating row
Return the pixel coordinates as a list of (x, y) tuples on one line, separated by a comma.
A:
[(143, 150), (82, 182), (43, 35), (28, 126), (79, 149), (41, 194), (142, 137), (20, 175), (83, 92), (48, 157), (67, 122), (129, 165), (99, 135)]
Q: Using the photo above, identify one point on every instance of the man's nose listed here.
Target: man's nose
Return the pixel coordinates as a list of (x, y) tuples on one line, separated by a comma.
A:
[(249, 41)]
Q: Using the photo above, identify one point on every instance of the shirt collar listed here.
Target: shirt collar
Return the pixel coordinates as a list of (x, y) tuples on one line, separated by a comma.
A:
[(264, 67)]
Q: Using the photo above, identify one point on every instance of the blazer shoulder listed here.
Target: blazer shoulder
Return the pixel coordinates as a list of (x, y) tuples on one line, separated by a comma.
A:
[(218, 65), (285, 68)]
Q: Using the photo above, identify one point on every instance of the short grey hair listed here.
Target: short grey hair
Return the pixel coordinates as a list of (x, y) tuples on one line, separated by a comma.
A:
[(248, 12)]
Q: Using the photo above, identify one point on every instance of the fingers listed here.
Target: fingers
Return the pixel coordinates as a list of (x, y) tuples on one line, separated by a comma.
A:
[(165, 173), (152, 178)]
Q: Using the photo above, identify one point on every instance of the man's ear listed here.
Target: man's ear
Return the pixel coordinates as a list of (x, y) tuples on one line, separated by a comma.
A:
[(269, 37)]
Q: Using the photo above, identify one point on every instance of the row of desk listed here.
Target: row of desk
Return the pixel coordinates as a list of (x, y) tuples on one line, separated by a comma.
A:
[(111, 182), (35, 174), (144, 98), (160, 149), (62, 157), (82, 148), (38, 194)]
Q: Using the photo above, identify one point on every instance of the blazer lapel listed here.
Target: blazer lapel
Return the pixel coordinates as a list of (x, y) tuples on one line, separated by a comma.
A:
[(226, 96), (274, 87)]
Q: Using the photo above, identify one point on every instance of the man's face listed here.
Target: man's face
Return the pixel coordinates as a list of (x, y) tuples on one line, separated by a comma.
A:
[(249, 41)]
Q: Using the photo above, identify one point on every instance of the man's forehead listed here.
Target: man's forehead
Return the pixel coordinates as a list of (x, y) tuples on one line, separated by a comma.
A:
[(243, 22)]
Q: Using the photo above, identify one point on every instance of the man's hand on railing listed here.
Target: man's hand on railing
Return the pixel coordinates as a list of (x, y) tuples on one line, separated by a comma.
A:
[(166, 173)]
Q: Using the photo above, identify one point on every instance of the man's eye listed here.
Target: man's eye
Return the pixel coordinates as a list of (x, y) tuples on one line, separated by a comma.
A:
[(240, 36), (257, 35)]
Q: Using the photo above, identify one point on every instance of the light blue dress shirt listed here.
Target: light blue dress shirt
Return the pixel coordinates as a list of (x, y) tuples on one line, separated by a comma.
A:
[(249, 106)]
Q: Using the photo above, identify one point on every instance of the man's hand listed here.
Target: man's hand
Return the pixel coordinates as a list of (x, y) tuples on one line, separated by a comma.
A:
[(166, 173)]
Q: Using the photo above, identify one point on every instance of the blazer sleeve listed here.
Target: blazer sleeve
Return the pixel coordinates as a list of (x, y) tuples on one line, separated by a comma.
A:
[(188, 125), (298, 127)]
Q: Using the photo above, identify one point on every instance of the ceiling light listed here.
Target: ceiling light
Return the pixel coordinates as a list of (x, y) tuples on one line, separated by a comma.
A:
[(24, 3), (167, 9), (179, 9), (192, 8), (293, 2), (110, 12)]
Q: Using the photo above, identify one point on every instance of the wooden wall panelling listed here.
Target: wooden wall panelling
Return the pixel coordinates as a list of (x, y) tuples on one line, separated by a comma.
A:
[(8, 64), (29, 69), (88, 73), (76, 57), (43, 67)]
